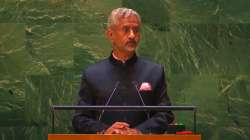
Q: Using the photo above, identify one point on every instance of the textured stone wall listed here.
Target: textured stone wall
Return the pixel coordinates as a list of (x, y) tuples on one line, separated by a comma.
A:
[(204, 46)]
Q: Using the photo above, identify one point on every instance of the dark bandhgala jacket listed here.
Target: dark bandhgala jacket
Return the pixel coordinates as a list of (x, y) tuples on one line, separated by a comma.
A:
[(109, 76)]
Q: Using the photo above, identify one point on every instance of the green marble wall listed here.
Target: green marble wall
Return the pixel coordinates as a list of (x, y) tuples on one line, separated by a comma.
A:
[(203, 44)]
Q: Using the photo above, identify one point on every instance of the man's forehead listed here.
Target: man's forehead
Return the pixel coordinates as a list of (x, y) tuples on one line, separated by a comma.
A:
[(129, 20)]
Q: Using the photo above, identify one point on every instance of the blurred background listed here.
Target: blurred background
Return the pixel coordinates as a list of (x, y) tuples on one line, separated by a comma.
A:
[(204, 46)]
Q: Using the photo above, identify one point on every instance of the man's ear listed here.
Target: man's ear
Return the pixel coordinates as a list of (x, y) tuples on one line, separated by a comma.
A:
[(109, 34)]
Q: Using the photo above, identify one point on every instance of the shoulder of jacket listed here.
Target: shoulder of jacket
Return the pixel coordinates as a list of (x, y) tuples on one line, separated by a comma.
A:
[(149, 63), (93, 68)]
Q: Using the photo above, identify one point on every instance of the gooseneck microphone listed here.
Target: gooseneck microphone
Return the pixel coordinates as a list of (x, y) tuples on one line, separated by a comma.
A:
[(110, 97), (142, 101)]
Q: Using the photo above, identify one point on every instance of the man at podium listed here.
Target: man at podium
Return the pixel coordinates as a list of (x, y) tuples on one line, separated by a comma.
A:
[(123, 79)]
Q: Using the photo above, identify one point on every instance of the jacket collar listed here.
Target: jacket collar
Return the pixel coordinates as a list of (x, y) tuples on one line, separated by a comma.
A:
[(130, 61)]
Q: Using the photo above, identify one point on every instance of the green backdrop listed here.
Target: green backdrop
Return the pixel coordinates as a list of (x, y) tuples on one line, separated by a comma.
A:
[(204, 46)]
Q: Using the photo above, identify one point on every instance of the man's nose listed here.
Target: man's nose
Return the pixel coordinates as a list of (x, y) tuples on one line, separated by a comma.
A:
[(131, 34)]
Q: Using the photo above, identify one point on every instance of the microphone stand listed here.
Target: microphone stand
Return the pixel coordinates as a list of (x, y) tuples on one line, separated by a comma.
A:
[(111, 95)]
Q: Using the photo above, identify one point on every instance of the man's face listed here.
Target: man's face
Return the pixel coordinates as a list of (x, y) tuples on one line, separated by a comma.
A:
[(125, 35)]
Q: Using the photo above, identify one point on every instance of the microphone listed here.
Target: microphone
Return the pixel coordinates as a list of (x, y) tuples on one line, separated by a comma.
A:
[(142, 101), (110, 97)]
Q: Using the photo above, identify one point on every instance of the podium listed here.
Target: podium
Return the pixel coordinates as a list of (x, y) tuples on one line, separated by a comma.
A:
[(122, 137)]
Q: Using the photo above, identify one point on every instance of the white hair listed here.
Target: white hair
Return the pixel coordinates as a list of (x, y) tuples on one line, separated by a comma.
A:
[(119, 13)]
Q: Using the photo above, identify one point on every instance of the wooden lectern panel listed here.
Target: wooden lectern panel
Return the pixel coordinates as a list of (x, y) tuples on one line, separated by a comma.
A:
[(121, 137)]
